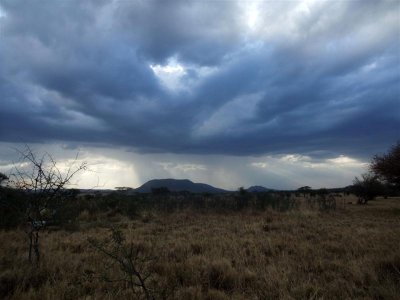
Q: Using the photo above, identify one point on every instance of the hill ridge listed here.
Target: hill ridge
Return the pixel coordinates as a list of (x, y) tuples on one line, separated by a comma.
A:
[(178, 185)]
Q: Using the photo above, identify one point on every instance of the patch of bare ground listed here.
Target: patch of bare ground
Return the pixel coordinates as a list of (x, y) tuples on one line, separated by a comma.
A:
[(351, 253)]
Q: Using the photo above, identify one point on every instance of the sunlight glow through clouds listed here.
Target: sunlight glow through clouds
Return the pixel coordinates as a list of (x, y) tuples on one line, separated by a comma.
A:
[(303, 161), (298, 170), (252, 16), (262, 165), (2, 13), (170, 74), (102, 173), (174, 75), (344, 160), (168, 166), (295, 158)]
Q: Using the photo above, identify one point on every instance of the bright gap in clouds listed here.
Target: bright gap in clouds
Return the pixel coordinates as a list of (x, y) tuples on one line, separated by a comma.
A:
[(298, 170), (252, 15), (106, 173), (2, 12), (170, 75)]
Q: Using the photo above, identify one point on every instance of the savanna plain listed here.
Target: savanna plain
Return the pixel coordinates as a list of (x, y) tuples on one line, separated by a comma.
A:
[(351, 252)]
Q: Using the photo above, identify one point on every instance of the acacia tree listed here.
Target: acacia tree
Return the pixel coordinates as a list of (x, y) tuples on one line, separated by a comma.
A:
[(304, 190), (44, 186), (387, 166), (367, 187)]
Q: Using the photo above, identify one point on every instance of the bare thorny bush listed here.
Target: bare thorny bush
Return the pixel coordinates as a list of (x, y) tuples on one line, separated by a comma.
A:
[(134, 266), (44, 185)]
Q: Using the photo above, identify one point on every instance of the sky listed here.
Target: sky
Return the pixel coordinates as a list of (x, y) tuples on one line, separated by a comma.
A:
[(231, 93)]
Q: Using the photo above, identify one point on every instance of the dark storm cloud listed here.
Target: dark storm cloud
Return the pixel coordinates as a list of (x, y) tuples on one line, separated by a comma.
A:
[(319, 78), (196, 31)]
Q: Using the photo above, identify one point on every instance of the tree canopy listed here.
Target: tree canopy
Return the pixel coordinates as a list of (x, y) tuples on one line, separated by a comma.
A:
[(367, 187), (387, 166)]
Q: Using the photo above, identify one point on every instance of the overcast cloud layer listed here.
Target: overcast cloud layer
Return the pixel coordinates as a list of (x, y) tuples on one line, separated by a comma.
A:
[(317, 79)]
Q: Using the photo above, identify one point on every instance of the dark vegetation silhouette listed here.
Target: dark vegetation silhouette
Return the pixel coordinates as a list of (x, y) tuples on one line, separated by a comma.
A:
[(387, 167), (304, 190), (383, 178), (40, 188), (367, 188), (3, 178)]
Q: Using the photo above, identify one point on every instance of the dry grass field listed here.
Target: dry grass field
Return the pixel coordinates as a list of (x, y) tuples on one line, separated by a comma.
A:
[(350, 253)]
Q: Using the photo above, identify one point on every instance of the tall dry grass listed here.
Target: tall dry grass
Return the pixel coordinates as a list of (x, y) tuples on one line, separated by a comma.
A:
[(351, 253)]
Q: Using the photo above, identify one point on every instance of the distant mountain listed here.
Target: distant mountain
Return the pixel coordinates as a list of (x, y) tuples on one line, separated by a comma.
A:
[(258, 189), (178, 185)]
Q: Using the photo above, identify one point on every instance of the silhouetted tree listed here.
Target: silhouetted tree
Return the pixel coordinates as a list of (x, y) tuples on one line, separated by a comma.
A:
[(242, 191), (304, 190), (367, 187), (44, 187), (243, 198), (387, 166)]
